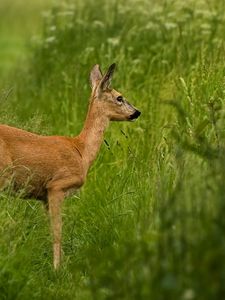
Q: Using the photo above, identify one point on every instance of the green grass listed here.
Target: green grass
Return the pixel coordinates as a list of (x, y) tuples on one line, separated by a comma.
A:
[(149, 222)]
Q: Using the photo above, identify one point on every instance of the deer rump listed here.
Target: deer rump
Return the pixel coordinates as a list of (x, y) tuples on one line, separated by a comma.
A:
[(30, 162)]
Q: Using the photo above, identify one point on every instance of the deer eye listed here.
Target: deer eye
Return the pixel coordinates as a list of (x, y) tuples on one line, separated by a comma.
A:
[(119, 98)]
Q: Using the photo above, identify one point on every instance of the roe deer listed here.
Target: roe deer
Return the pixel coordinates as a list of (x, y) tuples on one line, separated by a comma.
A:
[(49, 168)]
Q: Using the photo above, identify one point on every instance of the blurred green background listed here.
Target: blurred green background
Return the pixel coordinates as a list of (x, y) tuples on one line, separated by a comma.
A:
[(20, 21), (149, 222)]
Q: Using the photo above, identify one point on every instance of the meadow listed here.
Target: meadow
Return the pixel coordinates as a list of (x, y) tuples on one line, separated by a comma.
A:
[(149, 222)]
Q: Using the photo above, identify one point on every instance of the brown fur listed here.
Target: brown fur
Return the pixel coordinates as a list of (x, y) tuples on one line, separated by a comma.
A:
[(50, 168)]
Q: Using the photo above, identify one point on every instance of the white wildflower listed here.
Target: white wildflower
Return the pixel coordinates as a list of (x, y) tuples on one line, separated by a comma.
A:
[(66, 13), (189, 294), (52, 28), (98, 24), (170, 25), (50, 39), (114, 41)]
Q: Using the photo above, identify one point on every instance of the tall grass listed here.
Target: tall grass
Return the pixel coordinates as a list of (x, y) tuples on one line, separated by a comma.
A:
[(149, 222)]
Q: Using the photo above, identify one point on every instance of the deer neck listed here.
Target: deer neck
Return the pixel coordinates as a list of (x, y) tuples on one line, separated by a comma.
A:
[(92, 134)]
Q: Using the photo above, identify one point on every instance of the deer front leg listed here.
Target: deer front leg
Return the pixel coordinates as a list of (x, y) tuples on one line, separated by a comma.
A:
[(55, 198)]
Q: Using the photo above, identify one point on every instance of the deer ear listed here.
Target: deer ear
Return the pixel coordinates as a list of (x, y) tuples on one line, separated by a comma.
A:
[(95, 76), (106, 80)]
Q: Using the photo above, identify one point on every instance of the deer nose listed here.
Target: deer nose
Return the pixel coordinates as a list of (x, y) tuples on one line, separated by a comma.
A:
[(135, 115)]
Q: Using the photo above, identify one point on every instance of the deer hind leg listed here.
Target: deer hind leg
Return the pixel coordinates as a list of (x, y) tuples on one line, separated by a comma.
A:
[(55, 198)]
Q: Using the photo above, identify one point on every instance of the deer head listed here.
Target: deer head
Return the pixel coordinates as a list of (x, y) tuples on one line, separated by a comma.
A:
[(110, 102)]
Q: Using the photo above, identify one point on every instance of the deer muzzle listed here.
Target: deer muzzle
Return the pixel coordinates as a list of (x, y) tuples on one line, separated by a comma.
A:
[(135, 115)]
